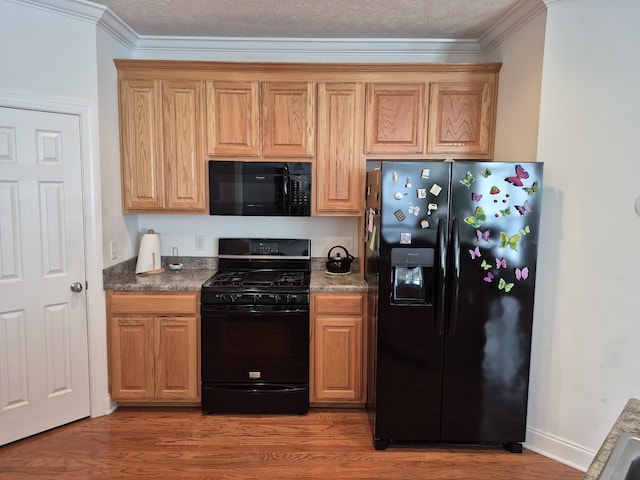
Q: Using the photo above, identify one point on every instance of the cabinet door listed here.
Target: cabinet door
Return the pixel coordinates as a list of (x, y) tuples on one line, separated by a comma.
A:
[(337, 365), (395, 118), (288, 119), (462, 119), (141, 147), (340, 169), (337, 373), (131, 358), (183, 153), (176, 359), (233, 118)]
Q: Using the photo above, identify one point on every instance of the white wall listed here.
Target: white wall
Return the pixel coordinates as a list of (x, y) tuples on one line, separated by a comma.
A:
[(577, 63), (107, 203), (586, 328), (521, 55), (46, 55), (180, 231), (116, 227)]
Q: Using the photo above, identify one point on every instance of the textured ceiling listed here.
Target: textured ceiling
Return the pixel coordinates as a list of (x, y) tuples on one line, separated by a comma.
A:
[(432, 19)]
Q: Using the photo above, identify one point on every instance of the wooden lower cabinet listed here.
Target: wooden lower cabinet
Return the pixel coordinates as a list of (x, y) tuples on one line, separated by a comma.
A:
[(154, 352), (338, 375)]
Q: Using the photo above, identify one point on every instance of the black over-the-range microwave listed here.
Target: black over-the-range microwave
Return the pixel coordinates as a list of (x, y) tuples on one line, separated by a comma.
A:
[(259, 188)]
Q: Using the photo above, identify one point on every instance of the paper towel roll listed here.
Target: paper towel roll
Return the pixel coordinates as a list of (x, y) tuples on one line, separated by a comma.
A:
[(149, 254)]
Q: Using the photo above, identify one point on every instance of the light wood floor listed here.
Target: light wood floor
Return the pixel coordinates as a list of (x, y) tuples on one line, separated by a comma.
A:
[(184, 444)]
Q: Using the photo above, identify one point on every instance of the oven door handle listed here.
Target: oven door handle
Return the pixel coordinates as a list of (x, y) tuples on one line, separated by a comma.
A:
[(255, 387), (215, 309)]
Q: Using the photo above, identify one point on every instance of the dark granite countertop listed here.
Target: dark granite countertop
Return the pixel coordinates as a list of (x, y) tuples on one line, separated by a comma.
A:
[(197, 271), (627, 422), (323, 282), (184, 280)]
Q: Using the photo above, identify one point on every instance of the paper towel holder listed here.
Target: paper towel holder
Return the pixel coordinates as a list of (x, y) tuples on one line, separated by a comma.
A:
[(149, 260)]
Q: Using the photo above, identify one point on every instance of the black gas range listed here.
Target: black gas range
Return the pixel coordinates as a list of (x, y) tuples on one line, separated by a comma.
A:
[(258, 288), (255, 327)]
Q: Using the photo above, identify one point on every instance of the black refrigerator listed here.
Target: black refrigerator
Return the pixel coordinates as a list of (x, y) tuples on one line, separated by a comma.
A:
[(451, 266)]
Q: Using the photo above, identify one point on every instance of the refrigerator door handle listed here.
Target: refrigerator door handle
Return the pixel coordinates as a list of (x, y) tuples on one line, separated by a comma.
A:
[(455, 281), (442, 276)]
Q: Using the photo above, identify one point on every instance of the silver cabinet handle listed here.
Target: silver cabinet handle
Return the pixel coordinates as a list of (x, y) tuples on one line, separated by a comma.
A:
[(76, 287)]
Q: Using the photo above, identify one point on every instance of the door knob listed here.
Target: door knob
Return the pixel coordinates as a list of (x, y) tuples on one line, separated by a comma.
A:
[(76, 287)]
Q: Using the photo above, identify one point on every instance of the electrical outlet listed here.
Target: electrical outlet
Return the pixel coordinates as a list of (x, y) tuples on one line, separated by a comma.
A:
[(347, 242), (113, 246), (199, 242)]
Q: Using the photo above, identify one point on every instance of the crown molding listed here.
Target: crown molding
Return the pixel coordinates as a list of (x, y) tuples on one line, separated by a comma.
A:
[(551, 3), (308, 49), (517, 17), (90, 12), (86, 11), (355, 50), (118, 29)]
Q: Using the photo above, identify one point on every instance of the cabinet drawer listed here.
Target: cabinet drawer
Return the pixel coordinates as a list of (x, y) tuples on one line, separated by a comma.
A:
[(154, 303), (339, 304)]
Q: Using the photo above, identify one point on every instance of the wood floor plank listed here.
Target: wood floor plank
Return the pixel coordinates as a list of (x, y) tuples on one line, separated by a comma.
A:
[(182, 443)]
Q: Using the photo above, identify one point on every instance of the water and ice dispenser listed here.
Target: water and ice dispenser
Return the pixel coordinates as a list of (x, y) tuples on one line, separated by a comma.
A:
[(412, 272)]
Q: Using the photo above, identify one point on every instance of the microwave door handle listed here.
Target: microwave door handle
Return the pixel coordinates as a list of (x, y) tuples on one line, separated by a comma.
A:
[(285, 186)]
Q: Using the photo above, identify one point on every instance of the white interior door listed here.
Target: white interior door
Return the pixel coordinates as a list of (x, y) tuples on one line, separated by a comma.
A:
[(44, 373)]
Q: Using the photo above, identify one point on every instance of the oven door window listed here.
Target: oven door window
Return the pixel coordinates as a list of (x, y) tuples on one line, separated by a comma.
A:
[(255, 347)]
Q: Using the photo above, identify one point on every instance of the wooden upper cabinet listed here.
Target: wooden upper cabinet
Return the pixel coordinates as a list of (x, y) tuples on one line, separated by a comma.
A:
[(395, 118), (233, 118), (141, 147), (183, 146), (288, 119), (162, 151), (175, 116), (462, 118), (254, 119), (339, 169)]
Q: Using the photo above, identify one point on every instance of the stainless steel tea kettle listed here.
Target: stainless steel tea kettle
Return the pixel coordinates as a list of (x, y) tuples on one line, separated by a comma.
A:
[(339, 263)]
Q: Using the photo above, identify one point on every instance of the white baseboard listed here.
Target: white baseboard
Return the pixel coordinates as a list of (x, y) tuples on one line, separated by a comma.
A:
[(108, 407), (559, 449)]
